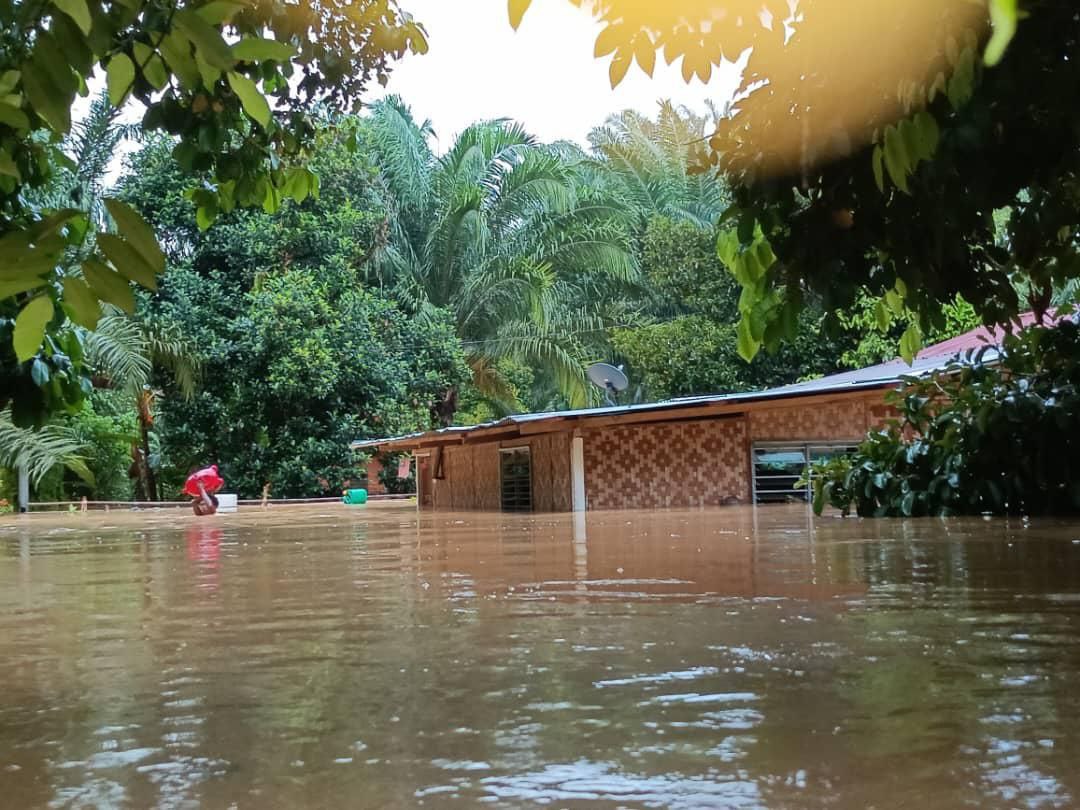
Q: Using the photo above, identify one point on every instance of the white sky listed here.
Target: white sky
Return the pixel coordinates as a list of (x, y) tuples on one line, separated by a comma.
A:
[(543, 75)]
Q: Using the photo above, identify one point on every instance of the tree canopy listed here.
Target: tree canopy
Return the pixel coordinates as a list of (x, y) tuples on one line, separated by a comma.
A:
[(894, 181), (506, 235), (299, 356), (234, 82)]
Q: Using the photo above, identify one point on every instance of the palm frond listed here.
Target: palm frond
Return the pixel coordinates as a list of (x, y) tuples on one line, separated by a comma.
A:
[(118, 349), (556, 354), (403, 149), (126, 352), (40, 451), (492, 384)]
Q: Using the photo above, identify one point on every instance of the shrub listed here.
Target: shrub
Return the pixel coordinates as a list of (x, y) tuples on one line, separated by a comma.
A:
[(979, 437)]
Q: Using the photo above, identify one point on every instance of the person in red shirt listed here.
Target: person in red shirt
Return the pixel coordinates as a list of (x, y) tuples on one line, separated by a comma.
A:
[(201, 486)]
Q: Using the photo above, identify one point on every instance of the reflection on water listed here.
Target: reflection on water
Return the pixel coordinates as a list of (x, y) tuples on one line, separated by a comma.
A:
[(325, 658)]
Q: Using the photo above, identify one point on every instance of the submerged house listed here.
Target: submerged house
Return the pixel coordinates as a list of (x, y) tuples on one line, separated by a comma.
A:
[(681, 453)]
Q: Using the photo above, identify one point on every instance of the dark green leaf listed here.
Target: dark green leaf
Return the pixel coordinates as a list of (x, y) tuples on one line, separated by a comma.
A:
[(251, 98), (177, 52), (152, 67), (879, 171), (78, 11), (13, 117), (83, 307), (255, 49), (120, 78), (109, 285), (207, 39), (896, 159)]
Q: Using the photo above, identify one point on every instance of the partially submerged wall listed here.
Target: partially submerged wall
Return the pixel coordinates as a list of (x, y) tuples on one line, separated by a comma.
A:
[(706, 462), (471, 474), (667, 465), (840, 420), (654, 465)]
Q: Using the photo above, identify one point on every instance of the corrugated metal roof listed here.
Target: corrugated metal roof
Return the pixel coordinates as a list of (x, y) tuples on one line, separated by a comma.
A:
[(878, 376), (930, 359)]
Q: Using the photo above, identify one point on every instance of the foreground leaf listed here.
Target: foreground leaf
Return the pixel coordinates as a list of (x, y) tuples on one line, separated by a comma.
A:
[(136, 231), (30, 327), (251, 98), (120, 78)]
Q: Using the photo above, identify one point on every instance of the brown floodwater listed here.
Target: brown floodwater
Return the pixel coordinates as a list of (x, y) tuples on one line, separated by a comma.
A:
[(329, 657)]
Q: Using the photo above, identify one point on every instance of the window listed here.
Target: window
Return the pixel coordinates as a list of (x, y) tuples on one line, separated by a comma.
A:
[(778, 468), (515, 470)]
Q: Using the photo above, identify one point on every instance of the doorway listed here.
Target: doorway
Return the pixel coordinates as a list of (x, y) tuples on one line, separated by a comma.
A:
[(515, 476)]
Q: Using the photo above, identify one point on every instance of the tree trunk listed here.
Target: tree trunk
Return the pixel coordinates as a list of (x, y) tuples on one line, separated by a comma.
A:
[(149, 478), (445, 407), (144, 413)]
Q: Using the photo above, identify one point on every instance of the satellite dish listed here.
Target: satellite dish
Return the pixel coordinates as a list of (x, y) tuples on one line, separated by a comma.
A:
[(609, 378)]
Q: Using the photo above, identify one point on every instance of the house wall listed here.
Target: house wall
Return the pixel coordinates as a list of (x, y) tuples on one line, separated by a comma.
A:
[(659, 465), (667, 465), (706, 462), (839, 420), (471, 474), (374, 485)]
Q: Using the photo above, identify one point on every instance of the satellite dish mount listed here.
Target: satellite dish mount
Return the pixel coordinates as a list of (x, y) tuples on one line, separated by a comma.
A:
[(610, 379)]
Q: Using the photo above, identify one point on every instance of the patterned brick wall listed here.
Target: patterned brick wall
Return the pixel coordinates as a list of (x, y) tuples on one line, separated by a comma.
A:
[(828, 421), (662, 466)]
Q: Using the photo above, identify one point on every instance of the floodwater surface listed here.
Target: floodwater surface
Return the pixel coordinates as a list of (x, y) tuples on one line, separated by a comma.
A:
[(373, 658)]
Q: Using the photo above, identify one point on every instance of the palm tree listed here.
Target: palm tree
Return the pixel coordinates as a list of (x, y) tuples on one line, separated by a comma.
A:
[(38, 451), (83, 162), (656, 165), (502, 233)]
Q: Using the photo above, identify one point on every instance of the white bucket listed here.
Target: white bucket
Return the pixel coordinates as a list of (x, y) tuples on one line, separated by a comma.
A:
[(226, 503)]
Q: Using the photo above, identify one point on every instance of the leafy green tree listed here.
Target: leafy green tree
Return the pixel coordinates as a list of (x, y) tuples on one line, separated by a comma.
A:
[(501, 233), (299, 357), (232, 82), (683, 341), (886, 182), (877, 341)]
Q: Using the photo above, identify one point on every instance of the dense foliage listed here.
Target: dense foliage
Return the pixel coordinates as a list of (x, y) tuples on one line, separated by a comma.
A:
[(207, 74), (334, 276), (299, 356), (894, 181), (683, 340), (509, 237), (1000, 438)]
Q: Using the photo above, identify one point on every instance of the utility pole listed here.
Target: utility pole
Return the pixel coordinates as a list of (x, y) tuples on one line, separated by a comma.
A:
[(24, 489)]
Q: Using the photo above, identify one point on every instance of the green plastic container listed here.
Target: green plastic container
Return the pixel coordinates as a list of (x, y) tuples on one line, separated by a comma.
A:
[(355, 497)]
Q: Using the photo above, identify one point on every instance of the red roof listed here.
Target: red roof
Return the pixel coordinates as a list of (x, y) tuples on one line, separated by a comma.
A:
[(977, 338)]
